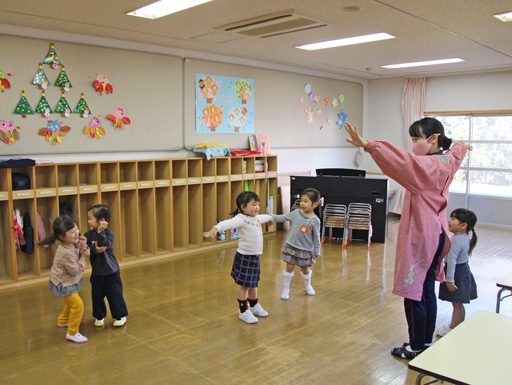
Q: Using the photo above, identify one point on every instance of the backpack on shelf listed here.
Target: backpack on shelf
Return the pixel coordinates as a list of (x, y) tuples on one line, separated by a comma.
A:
[(28, 233), (20, 181)]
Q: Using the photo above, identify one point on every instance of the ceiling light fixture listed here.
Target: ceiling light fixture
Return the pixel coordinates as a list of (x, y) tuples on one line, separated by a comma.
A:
[(346, 41), (423, 63), (165, 7), (504, 17)]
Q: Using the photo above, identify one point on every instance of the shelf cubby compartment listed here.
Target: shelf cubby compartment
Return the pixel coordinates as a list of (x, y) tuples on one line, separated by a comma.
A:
[(271, 167), (85, 202), (194, 171), (4, 184), (209, 170), (223, 207), (26, 265), (68, 204), (127, 175), (28, 193), (147, 223), (195, 216), (6, 249), (163, 219), (162, 173), (237, 168), (129, 221), (113, 200), (272, 200), (179, 172), (145, 174), (49, 209), (67, 179), (46, 180), (109, 176), (88, 178), (180, 217), (222, 170), (209, 209), (260, 188)]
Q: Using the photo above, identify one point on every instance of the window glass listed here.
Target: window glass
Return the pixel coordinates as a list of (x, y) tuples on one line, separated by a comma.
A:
[(455, 127), (492, 128), (492, 155), (459, 182), (491, 183)]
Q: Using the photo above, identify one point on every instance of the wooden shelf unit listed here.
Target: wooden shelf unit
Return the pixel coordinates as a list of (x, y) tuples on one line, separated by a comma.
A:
[(157, 206)]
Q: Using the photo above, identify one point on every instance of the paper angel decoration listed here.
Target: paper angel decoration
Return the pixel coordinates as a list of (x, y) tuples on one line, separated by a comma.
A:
[(101, 84), (119, 119), (51, 57), (94, 129), (63, 80), (4, 83), (23, 107), (63, 107), (8, 133), (82, 108), (40, 78), (54, 131), (43, 107)]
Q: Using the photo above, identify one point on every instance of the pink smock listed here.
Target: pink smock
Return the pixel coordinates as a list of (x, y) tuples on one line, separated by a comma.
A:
[(426, 179)]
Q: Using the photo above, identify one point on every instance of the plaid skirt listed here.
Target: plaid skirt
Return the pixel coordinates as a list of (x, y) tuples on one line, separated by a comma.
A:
[(465, 283), (246, 270), (297, 257)]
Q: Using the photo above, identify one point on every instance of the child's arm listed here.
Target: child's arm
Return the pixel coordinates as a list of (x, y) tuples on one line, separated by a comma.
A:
[(451, 263), (265, 218), (282, 217), (72, 265), (317, 246), (237, 221)]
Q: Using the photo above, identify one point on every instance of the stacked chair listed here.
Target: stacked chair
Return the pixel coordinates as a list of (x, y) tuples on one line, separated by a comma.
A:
[(359, 217), (296, 205), (334, 216)]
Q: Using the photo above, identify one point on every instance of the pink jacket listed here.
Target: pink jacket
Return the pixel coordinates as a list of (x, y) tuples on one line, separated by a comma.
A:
[(426, 180)]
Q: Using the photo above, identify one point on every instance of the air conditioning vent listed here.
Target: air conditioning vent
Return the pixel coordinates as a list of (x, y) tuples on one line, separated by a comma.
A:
[(272, 25)]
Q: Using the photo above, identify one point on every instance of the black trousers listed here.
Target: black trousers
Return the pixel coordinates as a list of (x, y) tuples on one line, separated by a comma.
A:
[(421, 315), (109, 286)]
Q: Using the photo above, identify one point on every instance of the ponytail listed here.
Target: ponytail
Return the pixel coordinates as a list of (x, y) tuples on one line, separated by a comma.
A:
[(61, 225), (49, 240), (472, 242)]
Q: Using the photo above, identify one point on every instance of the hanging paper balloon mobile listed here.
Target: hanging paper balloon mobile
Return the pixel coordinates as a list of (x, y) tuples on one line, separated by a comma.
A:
[(8, 133), (119, 119), (94, 129), (53, 131), (101, 84)]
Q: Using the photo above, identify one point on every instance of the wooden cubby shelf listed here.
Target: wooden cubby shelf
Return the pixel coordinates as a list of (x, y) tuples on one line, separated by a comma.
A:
[(157, 207)]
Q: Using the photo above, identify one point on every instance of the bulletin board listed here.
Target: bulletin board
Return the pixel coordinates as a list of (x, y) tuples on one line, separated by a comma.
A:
[(281, 100), (148, 87)]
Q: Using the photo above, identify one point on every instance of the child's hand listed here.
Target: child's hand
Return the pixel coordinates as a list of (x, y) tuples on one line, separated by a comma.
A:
[(86, 253), (317, 256), (211, 233), (270, 223), (103, 225), (101, 249), (451, 286), (82, 240)]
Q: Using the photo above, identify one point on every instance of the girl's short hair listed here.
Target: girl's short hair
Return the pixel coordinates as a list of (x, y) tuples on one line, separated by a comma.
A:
[(427, 127), (61, 225), (469, 218), (243, 199), (100, 212)]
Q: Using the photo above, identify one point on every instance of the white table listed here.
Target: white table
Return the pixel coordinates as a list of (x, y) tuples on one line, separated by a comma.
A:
[(505, 284), (477, 352)]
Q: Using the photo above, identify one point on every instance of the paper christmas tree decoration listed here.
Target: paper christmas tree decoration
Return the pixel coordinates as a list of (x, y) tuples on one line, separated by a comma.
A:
[(4, 83), (43, 107), (40, 78), (82, 108), (63, 106), (23, 108), (54, 131), (51, 57), (8, 133), (63, 80)]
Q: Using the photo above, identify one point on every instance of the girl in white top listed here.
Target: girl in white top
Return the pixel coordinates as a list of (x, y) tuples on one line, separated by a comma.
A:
[(246, 265)]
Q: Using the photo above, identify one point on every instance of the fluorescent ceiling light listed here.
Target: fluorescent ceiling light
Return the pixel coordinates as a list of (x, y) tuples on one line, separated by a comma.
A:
[(346, 41), (165, 7), (504, 17), (423, 63)]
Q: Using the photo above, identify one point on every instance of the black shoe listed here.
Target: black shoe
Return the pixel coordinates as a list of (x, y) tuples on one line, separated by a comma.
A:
[(402, 352)]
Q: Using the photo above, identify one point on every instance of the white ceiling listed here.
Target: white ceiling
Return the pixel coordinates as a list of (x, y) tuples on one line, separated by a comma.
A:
[(424, 30)]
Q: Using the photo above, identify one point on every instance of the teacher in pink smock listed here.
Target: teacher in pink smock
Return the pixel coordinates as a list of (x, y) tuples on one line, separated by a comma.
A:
[(422, 240)]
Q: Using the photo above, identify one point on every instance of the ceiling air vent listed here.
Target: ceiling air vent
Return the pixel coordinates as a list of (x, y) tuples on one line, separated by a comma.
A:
[(275, 24)]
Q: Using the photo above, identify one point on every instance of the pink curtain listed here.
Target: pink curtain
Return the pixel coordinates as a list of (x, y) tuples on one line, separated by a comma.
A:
[(413, 108)]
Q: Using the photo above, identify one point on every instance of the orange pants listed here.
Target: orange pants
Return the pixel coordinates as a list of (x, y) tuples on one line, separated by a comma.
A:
[(72, 313)]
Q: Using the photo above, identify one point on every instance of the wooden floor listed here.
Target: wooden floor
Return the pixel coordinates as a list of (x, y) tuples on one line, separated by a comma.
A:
[(183, 326)]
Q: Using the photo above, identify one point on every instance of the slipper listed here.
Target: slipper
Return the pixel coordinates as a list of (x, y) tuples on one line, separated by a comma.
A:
[(402, 352)]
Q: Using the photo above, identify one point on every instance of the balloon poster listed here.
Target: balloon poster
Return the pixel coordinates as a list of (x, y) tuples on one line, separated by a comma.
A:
[(224, 105)]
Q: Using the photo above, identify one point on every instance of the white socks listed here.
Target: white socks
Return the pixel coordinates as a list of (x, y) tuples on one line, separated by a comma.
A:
[(307, 282), (286, 284)]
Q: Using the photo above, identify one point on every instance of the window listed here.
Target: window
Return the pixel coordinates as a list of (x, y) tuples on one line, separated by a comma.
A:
[(487, 170)]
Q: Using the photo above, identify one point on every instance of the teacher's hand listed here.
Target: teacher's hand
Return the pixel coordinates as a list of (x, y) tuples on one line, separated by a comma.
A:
[(355, 139)]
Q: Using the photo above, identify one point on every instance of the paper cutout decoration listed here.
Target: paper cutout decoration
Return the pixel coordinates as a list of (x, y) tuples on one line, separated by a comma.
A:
[(119, 119), (359, 157), (307, 88), (212, 116), (23, 108), (53, 131), (318, 111), (63, 107), (312, 97), (309, 113), (208, 88), (342, 117), (63, 80), (40, 78), (51, 57), (301, 101), (101, 84), (8, 133), (328, 120), (326, 101), (43, 107), (334, 102), (4, 83), (82, 108), (341, 98), (94, 129), (243, 90), (236, 117)]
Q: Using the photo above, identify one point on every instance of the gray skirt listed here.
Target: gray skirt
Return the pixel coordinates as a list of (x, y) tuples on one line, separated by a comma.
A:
[(297, 257), (64, 291), (465, 282)]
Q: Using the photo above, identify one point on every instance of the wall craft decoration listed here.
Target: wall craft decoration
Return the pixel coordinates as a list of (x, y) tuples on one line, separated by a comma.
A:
[(119, 119), (63, 107), (4, 83), (23, 107), (43, 107), (94, 129), (40, 78), (63, 80), (8, 133), (51, 57), (102, 84), (53, 131), (82, 108)]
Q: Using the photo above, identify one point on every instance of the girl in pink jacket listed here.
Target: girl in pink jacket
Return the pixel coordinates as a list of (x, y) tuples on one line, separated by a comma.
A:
[(422, 240)]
